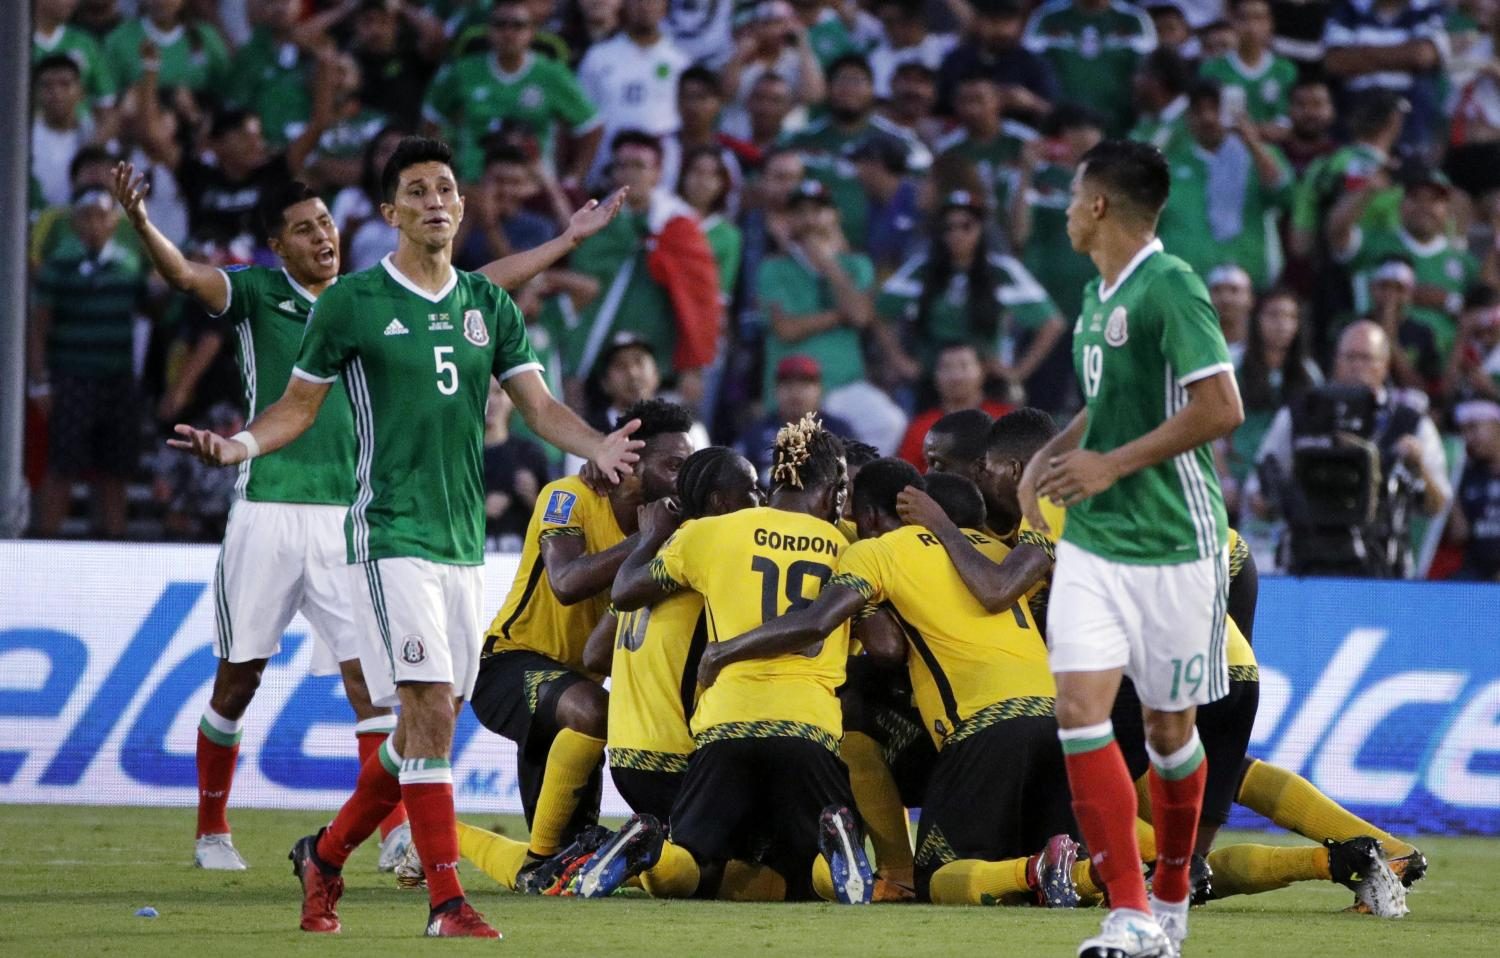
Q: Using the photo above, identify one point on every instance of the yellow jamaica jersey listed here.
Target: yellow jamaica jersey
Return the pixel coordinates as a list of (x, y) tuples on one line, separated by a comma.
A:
[(532, 617), (1055, 515), (969, 668), (752, 566), (849, 529), (653, 683)]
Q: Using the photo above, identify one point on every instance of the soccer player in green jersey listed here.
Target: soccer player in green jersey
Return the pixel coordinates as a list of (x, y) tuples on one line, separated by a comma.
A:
[(417, 386), (1142, 570)]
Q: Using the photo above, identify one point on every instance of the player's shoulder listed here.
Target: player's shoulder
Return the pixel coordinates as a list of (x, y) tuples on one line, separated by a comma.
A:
[(989, 546), (1165, 273), (566, 502)]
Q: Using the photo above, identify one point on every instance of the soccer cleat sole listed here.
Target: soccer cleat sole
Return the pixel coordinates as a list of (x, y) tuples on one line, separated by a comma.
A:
[(633, 849), (844, 848), (1055, 887)]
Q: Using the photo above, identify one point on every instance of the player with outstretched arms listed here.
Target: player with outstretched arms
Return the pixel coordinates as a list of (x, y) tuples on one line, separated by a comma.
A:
[(1142, 569), (415, 343)]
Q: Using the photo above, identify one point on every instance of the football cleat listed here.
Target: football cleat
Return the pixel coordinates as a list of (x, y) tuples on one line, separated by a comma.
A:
[(630, 851), (409, 873), (891, 891), (843, 845), (217, 853), (459, 921), (1359, 864), (1173, 920), (1050, 873), (393, 847), (1200, 881), (549, 876), (1126, 933), (321, 890), (1410, 868)]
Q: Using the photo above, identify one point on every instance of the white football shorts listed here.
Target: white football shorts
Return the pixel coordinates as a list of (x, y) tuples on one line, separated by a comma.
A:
[(423, 622)]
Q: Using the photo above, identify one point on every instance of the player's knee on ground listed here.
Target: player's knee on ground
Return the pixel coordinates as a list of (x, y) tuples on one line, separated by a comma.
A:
[(584, 708), (235, 684), (675, 875)]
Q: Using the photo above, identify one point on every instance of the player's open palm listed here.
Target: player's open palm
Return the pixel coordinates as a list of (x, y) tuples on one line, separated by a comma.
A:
[(130, 191), (617, 451), (594, 215), (209, 446)]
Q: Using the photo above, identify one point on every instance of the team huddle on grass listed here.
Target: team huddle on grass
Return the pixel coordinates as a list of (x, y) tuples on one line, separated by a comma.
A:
[(1044, 643)]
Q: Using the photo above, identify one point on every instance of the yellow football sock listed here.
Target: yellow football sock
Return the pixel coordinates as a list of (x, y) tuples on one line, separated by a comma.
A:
[(1089, 892), (497, 856), (972, 882), (879, 803), (571, 760), (1145, 837), (1143, 799), (744, 881), (822, 879), (1296, 804), (1249, 869), (675, 875)]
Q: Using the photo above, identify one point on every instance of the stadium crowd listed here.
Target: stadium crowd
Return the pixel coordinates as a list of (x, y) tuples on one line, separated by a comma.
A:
[(848, 208)]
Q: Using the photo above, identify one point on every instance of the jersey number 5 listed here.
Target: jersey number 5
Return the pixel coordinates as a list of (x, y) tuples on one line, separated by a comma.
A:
[(1093, 369), (447, 371)]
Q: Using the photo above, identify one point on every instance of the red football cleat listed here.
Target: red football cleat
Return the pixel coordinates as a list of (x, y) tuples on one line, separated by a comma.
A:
[(320, 891), (460, 922)]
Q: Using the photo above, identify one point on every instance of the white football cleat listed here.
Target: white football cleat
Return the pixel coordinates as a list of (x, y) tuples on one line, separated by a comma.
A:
[(394, 847), (1126, 933), (217, 853), (1173, 920), (409, 873)]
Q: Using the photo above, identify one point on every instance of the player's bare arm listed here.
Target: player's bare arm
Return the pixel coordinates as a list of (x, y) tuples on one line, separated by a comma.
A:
[(634, 586), (599, 650), (513, 272), (882, 638), (784, 635), (1067, 440), (283, 421), (204, 283), (613, 453), (1213, 411), (577, 575), (997, 585)]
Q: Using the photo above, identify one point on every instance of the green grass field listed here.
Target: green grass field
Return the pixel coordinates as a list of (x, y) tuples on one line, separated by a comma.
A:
[(75, 877)]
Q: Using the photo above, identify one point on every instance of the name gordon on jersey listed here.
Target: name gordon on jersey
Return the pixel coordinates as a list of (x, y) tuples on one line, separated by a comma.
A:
[(772, 539)]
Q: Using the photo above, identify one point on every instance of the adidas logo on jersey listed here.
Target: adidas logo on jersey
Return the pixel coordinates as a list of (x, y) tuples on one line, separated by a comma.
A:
[(395, 328), (287, 305)]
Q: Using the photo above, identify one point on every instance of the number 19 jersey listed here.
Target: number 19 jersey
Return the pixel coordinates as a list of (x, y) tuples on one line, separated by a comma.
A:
[(417, 369), (1136, 349), (752, 566)]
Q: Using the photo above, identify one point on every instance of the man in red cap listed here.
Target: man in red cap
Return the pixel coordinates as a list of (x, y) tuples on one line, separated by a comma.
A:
[(798, 390)]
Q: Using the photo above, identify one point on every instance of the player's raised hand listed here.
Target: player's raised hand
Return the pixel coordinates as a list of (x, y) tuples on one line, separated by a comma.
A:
[(1026, 491), (209, 446), (919, 509), (594, 215), (130, 192), (1076, 475), (617, 451)]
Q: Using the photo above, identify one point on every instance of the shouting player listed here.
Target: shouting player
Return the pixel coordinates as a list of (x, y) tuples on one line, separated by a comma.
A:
[(417, 385)]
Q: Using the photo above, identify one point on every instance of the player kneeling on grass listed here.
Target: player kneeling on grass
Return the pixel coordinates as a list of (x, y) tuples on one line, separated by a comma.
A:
[(766, 733)]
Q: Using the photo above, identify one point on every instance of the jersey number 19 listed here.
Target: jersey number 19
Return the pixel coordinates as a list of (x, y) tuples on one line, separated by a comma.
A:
[(1093, 369)]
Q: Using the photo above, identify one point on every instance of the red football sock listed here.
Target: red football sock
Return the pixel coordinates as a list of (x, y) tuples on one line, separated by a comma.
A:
[(434, 827), (375, 794), (1104, 804), (369, 744), (1177, 782), (215, 776)]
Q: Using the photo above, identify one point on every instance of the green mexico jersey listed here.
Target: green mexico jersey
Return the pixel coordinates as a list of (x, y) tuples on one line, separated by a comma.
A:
[(1025, 308), (992, 158), (83, 50), (1136, 348), (1265, 91), (1049, 253), (191, 56), (1438, 263), (268, 311), (1093, 53), (1344, 171), (825, 150), (1250, 237), (790, 283), (473, 97), (271, 80), (417, 368)]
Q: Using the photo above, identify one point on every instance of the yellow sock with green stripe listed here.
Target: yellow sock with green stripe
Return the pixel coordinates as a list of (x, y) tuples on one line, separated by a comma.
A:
[(972, 882), (675, 875), (497, 856), (1250, 869), (744, 881), (1089, 892), (879, 803), (1145, 837), (571, 760), (1297, 805)]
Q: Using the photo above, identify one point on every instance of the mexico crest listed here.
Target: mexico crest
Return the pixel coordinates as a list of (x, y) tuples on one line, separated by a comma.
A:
[(474, 329), (1115, 331)]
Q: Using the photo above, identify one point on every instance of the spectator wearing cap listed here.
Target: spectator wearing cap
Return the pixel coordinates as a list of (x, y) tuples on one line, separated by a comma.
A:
[(1160, 93), (958, 380), (1024, 81), (985, 138), (892, 198), (657, 271), (907, 38), (60, 127), (769, 39), (1254, 77), (1094, 48), (1233, 296), (1443, 269), (1173, 31), (816, 301), (1475, 524), (1396, 45), (1228, 187), (827, 143), (79, 363), (1474, 367), (960, 291), (797, 389), (185, 51), (52, 32), (1415, 363)]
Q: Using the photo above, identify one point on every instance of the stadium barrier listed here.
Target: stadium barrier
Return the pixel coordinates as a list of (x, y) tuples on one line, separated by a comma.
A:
[(1385, 694)]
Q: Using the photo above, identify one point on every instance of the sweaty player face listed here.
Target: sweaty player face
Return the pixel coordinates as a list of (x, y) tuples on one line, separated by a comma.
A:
[(427, 208), (941, 456), (308, 243), (661, 460), (997, 482)]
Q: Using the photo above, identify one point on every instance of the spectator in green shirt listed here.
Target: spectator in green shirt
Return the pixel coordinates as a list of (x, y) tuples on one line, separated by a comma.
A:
[(270, 74), (1160, 90), (53, 33), (816, 299), (1254, 77), (1094, 47), (190, 53)]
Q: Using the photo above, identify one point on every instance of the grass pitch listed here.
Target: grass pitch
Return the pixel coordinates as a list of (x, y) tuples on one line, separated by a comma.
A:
[(74, 878)]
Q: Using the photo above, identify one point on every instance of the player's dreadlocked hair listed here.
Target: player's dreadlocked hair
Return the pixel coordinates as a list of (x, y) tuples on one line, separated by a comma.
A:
[(857, 454), (805, 454), (658, 417), (701, 473)]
